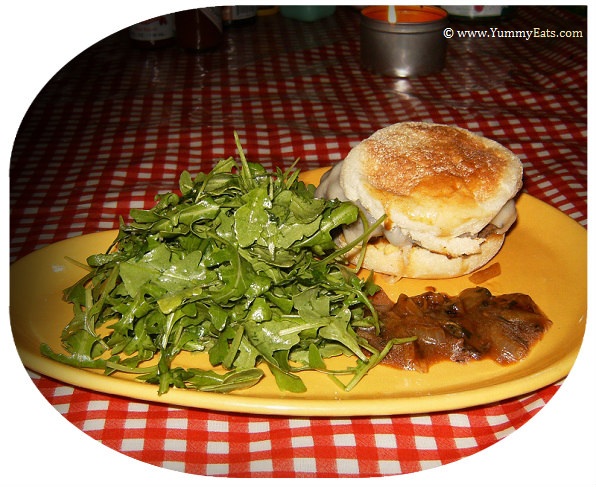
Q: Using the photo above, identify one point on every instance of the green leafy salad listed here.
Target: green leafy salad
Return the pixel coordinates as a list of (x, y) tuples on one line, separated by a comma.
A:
[(240, 265)]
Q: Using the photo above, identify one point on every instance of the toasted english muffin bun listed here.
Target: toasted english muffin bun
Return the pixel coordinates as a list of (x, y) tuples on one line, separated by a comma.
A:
[(429, 178), (440, 187)]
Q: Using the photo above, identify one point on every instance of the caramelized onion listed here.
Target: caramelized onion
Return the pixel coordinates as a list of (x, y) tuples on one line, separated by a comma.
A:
[(471, 326)]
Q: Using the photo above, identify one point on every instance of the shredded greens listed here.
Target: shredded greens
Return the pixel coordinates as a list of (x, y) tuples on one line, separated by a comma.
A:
[(241, 265)]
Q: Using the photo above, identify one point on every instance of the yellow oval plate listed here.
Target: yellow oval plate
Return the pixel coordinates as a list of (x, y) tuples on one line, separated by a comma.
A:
[(545, 256)]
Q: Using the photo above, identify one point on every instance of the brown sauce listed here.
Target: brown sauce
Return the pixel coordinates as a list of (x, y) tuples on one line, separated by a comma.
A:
[(471, 326)]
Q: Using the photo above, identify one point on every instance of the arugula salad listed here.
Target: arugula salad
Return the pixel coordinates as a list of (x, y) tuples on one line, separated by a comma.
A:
[(240, 264)]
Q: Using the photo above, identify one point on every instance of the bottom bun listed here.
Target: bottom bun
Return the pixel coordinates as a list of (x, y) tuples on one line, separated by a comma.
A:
[(419, 263)]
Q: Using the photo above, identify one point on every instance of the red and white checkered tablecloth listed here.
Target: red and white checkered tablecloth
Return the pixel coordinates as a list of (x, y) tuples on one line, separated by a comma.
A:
[(117, 125)]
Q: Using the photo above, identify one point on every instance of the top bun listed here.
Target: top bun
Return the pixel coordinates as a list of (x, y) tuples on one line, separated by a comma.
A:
[(434, 182), (429, 177)]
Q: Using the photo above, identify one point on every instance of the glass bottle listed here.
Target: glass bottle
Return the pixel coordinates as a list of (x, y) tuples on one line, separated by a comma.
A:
[(153, 33), (199, 29)]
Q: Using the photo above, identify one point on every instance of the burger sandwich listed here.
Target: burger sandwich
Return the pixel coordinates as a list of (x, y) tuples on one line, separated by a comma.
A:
[(446, 194)]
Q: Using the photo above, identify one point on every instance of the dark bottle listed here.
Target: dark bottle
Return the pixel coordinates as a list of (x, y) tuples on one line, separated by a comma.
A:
[(153, 33), (199, 29), (239, 15)]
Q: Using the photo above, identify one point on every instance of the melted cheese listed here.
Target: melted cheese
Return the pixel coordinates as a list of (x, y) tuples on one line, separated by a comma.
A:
[(505, 218)]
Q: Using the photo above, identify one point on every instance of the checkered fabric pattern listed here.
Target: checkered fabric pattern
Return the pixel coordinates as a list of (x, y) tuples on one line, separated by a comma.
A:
[(239, 445), (117, 125)]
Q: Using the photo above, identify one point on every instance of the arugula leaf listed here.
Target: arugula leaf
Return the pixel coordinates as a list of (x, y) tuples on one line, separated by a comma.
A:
[(241, 264)]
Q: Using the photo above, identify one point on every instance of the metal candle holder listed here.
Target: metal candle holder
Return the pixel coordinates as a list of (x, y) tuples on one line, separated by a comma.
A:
[(413, 45)]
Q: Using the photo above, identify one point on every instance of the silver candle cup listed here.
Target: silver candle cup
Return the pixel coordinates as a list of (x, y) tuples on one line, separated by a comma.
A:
[(413, 45)]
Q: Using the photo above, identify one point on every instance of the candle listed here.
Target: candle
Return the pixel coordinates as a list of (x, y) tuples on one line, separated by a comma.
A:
[(392, 14), (403, 41)]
